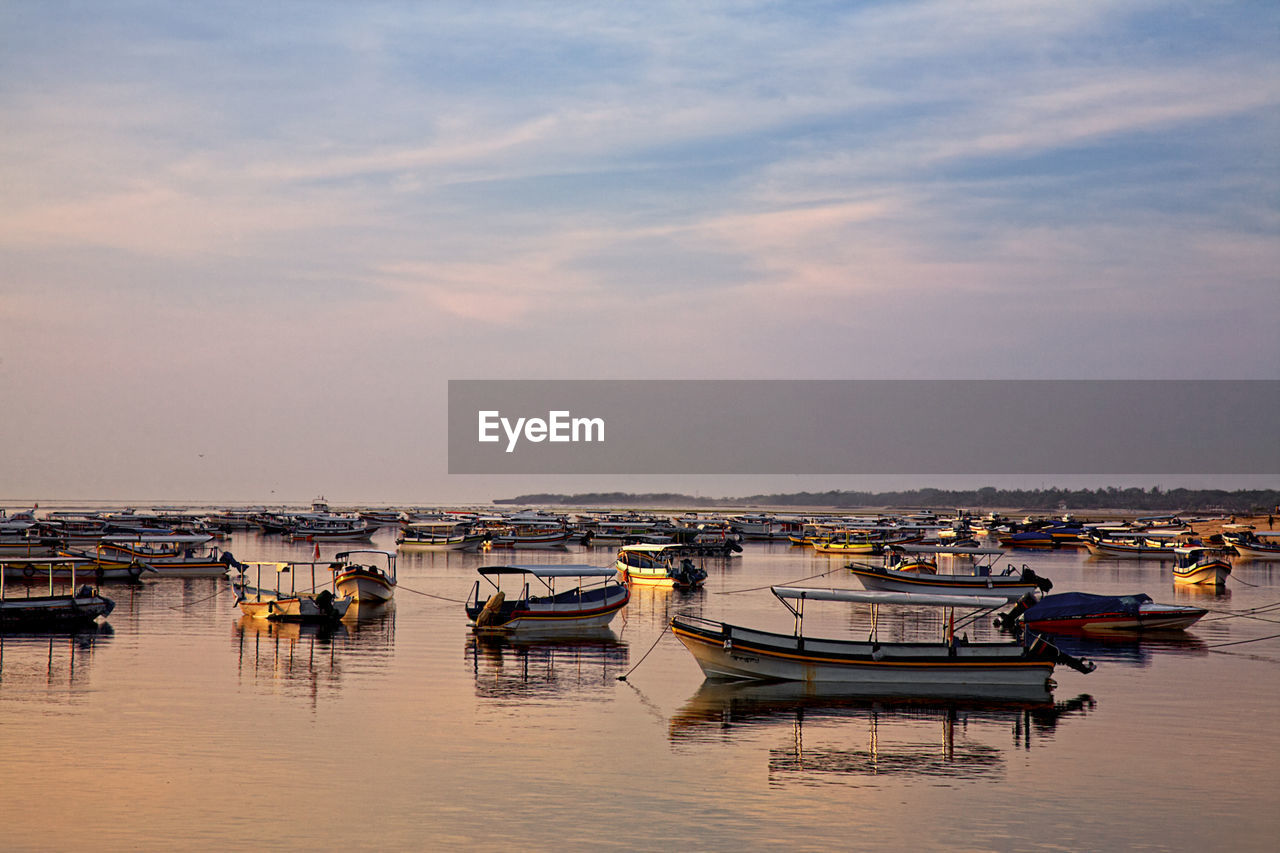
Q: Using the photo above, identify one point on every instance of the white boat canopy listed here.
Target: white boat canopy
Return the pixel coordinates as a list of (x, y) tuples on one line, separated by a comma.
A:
[(551, 571), (868, 596)]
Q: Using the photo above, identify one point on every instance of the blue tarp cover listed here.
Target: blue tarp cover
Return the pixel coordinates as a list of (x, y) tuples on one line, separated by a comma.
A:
[(1065, 605)]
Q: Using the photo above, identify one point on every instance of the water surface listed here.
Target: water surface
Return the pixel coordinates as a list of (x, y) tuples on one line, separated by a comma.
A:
[(180, 722)]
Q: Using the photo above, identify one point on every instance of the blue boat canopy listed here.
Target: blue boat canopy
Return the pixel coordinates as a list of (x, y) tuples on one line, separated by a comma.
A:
[(1065, 605)]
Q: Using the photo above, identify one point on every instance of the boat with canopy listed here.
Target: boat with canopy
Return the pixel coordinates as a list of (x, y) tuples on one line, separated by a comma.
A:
[(592, 600), (983, 580), (292, 605), (77, 607), (726, 651)]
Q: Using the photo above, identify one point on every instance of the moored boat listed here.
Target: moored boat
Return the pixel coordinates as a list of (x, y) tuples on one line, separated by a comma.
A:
[(1253, 546), (1082, 612), (286, 606), (726, 651), (438, 536), (1197, 564), (983, 580), (659, 565), (77, 607), (591, 603), (365, 581), (163, 556)]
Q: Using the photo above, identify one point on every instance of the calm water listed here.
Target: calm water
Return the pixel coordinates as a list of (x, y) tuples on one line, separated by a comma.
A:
[(181, 723)]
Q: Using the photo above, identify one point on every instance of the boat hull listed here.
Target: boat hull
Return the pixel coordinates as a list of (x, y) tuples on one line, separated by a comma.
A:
[(456, 543), (53, 610), (891, 580), (1254, 552), (1205, 574), (567, 612), (292, 608), (1128, 552), (726, 651), (364, 585)]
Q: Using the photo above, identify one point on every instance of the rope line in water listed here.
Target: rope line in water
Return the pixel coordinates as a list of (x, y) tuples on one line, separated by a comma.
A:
[(431, 595), (1242, 642), (191, 603), (623, 677), (785, 583)]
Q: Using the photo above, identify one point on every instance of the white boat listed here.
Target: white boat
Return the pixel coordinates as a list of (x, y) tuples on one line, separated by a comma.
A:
[(312, 527), (74, 608), (367, 581), (530, 532), (658, 565), (438, 536), (290, 605), (726, 651), (1252, 545), (1012, 584), (164, 556), (594, 598), (1146, 547), (1196, 564)]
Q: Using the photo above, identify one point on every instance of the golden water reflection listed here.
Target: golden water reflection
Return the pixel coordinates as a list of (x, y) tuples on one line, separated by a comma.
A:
[(921, 734)]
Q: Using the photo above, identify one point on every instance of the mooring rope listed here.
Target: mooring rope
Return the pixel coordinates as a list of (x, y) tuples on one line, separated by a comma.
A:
[(191, 603), (431, 595), (1242, 642), (785, 583), (623, 677)]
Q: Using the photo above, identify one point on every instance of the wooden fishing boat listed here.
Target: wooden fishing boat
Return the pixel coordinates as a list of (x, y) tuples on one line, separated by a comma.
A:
[(1082, 612), (438, 536), (164, 556), (1131, 549), (530, 535), (853, 542), (290, 605), (983, 580), (366, 581), (659, 565), (71, 609), (1196, 564), (726, 651), (1252, 546), (900, 558), (591, 603), (313, 527)]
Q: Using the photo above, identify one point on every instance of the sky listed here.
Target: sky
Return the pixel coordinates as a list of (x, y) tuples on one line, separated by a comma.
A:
[(244, 246)]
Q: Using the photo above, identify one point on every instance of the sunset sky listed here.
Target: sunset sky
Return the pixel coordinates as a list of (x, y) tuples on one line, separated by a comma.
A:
[(243, 246)]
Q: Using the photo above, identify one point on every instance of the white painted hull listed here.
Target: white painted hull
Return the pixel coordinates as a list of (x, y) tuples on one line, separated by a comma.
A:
[(743, 653), (1210, 575), (365, 587), (1253, 553)]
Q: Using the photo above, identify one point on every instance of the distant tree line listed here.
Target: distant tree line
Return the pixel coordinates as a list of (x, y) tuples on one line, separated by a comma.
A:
[(1154, 499)]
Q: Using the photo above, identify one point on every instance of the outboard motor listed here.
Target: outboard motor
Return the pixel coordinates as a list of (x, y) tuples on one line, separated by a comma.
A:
[(1044, 584), (228, 560), (1009, 621)]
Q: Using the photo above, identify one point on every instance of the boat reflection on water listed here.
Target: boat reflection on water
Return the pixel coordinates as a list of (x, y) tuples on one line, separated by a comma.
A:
[(520, 666), (894, 726), (307, 658), (1129, 649), (49, 660)]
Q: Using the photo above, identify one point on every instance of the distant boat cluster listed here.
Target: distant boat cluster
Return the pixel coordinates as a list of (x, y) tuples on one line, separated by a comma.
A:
[(897, 559)]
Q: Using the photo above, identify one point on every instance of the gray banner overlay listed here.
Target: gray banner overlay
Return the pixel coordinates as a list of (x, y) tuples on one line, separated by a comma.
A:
[(864, 427)]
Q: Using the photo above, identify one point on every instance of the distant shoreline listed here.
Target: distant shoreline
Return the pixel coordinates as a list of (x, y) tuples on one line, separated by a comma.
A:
[(1103, 500)]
